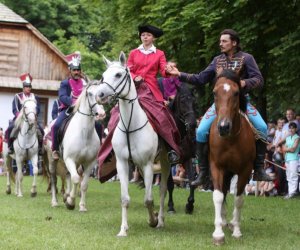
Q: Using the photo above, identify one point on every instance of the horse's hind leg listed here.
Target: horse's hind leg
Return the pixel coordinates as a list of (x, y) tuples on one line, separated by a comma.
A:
[(53, 183), (123, 170), (165, 172), (170, 185)]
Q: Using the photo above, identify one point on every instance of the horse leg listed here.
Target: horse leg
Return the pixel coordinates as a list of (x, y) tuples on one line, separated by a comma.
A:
[(170, 185), (148, 198), (9, 174), (218, 234), (123, 170), (238, 204), (19, 179), (84, 187), (53, 183), (34, 163), (189, 207), (236, 216), (75, 178), (165, 173), (68, 190)]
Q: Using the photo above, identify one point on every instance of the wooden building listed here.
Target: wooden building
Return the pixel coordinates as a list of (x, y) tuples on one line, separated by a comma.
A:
[(24, 49)]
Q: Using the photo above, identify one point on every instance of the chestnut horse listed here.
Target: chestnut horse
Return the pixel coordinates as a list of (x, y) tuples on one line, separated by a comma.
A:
[(232, 151)]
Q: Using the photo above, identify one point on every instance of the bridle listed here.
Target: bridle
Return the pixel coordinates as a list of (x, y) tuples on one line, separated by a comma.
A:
[(116, 96), (25, 117), (91, 106)]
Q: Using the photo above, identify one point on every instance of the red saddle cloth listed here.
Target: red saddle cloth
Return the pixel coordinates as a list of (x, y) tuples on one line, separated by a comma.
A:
[(160, 118)]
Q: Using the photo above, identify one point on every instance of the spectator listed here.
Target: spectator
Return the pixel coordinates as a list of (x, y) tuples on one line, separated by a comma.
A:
[(179, 178), (291, 150)]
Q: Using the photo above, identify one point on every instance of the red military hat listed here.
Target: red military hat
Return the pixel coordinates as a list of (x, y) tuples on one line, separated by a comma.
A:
[(26, 79), (74, 60)]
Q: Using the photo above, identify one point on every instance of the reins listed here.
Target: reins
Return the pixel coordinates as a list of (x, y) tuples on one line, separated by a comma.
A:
[(126, 79), (92, 113)]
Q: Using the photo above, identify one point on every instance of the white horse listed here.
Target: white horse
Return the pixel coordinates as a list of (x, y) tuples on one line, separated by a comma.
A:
[(25, 147), (81, 143), (133, 138)]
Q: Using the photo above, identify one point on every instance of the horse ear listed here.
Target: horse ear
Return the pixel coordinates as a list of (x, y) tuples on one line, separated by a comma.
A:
[(106, 61), (122, 58)]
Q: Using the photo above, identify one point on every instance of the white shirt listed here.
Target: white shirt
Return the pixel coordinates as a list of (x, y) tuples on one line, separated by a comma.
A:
[(152, 49)]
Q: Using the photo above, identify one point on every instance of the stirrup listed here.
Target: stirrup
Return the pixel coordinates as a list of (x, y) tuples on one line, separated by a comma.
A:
[(173, 158), (10, 151), (55, 155)]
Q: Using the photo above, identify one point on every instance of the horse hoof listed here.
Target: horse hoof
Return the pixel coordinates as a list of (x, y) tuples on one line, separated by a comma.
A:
[(20, 195), (189, 209), (237, 235), (82, 209), (33, 194), (171, 211), (54, 204), (122, 234), (8, 191), (70, 207), (218, 241)]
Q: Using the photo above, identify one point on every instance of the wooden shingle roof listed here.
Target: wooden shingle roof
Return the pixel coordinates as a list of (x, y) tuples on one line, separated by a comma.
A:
[(7, 15)]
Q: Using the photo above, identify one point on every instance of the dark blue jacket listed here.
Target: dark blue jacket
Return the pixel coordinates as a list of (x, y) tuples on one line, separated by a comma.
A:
[(242, 63)]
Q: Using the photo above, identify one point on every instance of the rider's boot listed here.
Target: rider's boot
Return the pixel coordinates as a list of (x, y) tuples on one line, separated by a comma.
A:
[(202, 156), (10, 145), (12, 136), (259, 172)]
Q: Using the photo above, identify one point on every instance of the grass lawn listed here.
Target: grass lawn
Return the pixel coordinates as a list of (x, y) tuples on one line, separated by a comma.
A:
[(31, 223)]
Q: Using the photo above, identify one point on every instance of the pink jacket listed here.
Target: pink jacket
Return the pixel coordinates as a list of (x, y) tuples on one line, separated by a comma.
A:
[(148, 66)]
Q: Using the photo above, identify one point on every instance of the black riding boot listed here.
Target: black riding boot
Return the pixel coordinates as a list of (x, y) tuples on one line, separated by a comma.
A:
[(202, 155), (259, 172), (10, 146)]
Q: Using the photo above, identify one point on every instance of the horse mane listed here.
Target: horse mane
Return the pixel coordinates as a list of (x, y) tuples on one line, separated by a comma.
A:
[(19, 119), (81, 96), (233, 76)]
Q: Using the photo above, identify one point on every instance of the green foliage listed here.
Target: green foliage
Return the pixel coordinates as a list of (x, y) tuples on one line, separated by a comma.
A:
[(268, 29)]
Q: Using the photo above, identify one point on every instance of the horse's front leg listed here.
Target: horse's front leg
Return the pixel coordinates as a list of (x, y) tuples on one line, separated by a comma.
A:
[(19, 179), (75, 179), (84, 187), (123, 169), (34, 163), (236, 216), (148, 200), (218, 234)]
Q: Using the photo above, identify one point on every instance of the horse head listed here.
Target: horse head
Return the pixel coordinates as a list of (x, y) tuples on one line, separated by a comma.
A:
[(184, 108), (29, 111), (227, 101), (116, 80)]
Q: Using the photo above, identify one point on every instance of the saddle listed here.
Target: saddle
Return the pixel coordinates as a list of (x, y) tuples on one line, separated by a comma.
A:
[(62, 129)]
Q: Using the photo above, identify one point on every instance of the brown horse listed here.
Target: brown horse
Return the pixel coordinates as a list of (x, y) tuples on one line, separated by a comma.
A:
[(232, 151)]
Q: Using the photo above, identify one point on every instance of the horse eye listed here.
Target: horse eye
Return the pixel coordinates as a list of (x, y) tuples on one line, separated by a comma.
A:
[(118, 75)]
